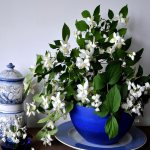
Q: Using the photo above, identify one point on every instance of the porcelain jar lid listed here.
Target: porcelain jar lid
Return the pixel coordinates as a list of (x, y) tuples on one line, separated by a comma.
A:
[(10, 74)]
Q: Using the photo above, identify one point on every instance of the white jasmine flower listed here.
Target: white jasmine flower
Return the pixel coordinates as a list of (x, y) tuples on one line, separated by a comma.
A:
[(15, 140), (110, 50), (31, 108), (65, 47), (77, 34), (136, 109), (82, 92), (91, 22), (50, 124), (91, 45), (123, 20), (24, 136), (147, 86), (129, 85), (124, 106), (45, 102), (132, 55), (48, 61), (83, 63), (123, 64), (96, 103), (47, 140), (117, 40), (101, 50), (86, 54), (58, 103), (136, 91)]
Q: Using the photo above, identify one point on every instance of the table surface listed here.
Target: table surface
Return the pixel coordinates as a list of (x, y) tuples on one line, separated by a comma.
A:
[(56, 145)]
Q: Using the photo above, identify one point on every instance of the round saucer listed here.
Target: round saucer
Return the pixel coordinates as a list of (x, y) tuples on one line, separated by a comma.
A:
[(69, 136)]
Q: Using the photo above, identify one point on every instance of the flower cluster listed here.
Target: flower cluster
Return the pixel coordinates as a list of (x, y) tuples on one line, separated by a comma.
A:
[(100, 66), (13, 132), (133, 102)]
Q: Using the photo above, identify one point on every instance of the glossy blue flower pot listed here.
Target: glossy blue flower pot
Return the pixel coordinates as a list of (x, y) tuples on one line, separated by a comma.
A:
[(92, 127)]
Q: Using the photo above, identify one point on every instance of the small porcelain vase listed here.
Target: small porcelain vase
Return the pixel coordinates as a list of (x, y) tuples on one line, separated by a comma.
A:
[(11, 86)]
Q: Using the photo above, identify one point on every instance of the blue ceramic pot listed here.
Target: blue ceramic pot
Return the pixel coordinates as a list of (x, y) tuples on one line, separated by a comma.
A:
[(92, 127)]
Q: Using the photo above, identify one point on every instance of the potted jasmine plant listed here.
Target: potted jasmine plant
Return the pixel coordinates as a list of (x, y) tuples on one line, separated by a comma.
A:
[(98, 82)]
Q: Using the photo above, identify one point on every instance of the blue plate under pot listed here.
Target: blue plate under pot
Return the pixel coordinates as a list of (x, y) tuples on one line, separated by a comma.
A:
[(68, 135)]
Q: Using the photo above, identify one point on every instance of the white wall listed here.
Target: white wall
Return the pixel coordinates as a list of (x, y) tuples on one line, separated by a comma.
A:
[(27, 26)]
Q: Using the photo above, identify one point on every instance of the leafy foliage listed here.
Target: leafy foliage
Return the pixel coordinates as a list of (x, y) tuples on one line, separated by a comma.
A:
[(99, 72)]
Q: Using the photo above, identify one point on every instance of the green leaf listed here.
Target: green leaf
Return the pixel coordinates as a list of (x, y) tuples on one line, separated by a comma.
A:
[(74, 53), (39, 69), (59, 68), (122, 31), (96, 11), (70, 90), (111, 127), (99, 81), (53, 132), (69, 106), (40, 134), (140, 71), (129, 72), (65, 32), (53, 46), (57, 43), (56, 116), (136, 58), (43, 120), (49, 89), (113, 26), (60, 57), (113, 99), (124, 11), (37, 98), (81, 42), (64, 76), (124, 91), (110, 14), (113, 72), (38, 59), (127, 44), (119, 53), (81, 25), (86, 14)]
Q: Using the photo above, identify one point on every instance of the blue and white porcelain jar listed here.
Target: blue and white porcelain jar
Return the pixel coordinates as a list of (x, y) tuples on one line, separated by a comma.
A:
[(11, 86)]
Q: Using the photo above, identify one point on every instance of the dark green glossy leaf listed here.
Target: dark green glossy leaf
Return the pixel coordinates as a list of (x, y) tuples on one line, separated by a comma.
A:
[(113, 99), (65, 32), (96, 11), (140, 71), (113, 72), (99, 81), (127, 44), (81, 25), (111, 127), (122, 31), (110, 14), (81, 42), (124, 11), (60, 57), (86, 14)]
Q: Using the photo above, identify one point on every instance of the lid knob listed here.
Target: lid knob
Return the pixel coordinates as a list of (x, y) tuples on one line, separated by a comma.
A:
[(10, 66)]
